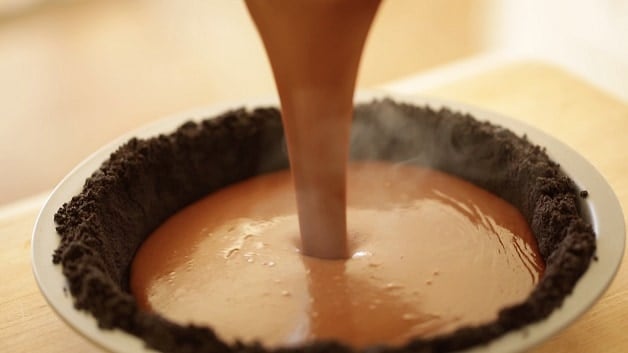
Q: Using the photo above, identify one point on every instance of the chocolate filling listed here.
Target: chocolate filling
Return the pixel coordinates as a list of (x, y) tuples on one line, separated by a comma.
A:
[(146, 181)]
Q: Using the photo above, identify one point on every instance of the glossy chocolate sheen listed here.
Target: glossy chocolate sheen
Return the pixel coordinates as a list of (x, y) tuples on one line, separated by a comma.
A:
[(430, 253)]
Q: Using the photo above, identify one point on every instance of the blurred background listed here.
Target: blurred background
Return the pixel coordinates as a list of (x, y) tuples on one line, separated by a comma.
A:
[(75, 74)]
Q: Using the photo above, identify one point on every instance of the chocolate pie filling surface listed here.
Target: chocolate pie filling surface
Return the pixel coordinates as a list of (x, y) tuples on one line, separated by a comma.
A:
[(146, 181)]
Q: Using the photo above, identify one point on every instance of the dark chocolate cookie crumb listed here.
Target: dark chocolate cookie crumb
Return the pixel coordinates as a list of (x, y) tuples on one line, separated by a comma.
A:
[(584, 194), (145, 181)]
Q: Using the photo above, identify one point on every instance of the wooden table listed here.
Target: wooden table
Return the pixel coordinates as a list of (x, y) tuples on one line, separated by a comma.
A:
[(592, 122), (104, 67)]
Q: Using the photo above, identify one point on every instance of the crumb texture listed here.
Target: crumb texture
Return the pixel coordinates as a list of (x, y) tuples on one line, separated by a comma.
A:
[(147, 180)]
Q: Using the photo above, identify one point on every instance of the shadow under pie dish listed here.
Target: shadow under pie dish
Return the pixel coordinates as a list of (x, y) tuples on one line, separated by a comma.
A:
[(148, 179)]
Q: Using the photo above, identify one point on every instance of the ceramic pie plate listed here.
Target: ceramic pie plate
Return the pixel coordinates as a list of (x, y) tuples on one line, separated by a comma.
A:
[(601, 208)]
